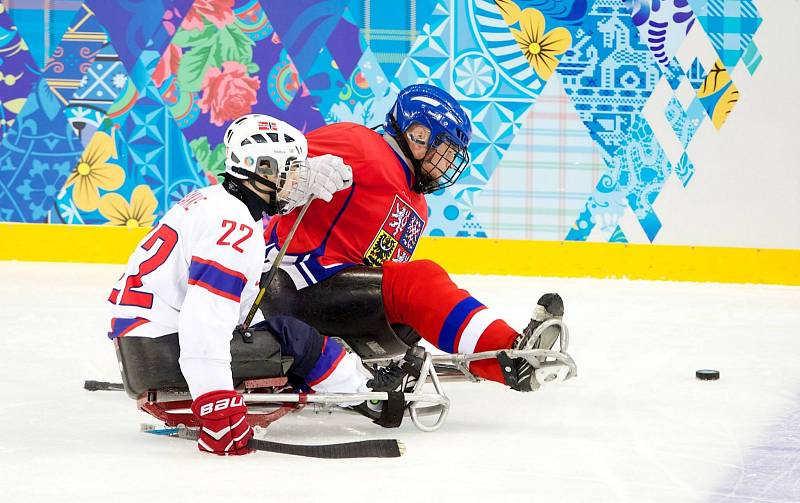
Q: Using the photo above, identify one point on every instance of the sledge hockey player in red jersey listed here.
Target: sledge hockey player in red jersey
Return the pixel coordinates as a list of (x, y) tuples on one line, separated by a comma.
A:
[(348, 270), (194, 277)]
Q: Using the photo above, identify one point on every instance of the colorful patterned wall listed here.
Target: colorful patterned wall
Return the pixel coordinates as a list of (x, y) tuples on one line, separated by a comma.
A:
[(112, 111)]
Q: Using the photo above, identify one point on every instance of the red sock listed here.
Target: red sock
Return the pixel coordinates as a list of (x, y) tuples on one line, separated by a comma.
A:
[(422, 295)]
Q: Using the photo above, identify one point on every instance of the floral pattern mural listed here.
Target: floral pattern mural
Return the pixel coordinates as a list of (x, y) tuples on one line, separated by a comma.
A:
[(123, 114), (93, 172), (528, 28)]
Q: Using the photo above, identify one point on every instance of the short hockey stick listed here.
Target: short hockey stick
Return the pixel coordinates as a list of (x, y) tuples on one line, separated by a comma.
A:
[(364, 449), (274, 269), (103, 386)]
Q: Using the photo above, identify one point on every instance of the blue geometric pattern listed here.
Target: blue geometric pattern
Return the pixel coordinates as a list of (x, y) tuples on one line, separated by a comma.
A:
[(663, 24), (752, 58), (43, 38), (469, 51), (609, 73), (390, 29), (100, 87), (152, 151), (637, 172), (730, 24), (684, 124), (48, 154), (42, 137), (18, 75), (545, 176)]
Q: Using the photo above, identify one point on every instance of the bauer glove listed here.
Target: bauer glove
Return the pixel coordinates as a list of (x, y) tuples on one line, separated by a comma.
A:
[(223, 425)]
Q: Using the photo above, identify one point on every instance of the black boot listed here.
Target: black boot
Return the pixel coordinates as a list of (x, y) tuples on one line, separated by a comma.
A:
[(395, 379), (518, 372)]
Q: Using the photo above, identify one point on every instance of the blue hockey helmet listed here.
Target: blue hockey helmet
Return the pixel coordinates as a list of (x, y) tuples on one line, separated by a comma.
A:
[(447, 137)]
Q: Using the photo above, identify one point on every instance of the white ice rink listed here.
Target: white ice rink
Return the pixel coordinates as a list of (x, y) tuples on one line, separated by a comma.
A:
[(634, 426)]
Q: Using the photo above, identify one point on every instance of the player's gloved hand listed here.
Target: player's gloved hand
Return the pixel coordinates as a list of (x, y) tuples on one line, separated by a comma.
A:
[(328, 174), (224, 429)]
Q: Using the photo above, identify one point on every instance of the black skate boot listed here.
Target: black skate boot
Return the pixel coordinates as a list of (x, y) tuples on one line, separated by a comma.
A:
[(518, 372), (394, 379)]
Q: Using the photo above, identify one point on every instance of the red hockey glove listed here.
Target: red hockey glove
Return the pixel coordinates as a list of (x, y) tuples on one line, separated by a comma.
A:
[(223, 426)]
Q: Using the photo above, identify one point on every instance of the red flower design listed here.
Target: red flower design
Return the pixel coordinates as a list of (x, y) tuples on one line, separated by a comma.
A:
[(229, 93), (167, 65), (219, 12), (166, 21)]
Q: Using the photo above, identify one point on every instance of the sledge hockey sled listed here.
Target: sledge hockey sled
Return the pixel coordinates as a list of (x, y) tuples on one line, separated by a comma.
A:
[(151, 375)]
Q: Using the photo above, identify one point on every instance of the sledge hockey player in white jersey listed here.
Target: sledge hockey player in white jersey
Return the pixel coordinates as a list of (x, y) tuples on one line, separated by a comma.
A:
[(196, 274)]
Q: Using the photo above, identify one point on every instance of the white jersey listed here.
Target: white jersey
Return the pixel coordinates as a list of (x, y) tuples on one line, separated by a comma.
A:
[(196, 273)]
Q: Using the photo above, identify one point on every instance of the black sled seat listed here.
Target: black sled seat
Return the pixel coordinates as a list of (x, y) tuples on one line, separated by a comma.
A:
[(348, 306), (148, 364)]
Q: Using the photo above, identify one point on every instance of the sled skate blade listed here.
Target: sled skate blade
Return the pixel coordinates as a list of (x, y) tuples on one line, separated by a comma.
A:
[(547, 334), (551, 373), (556, 366)]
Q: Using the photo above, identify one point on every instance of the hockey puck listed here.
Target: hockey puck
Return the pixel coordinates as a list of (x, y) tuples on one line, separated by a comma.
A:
[(707, 374)]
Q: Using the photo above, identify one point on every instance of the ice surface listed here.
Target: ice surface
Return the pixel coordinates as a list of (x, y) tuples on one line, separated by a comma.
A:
[(634, 426)]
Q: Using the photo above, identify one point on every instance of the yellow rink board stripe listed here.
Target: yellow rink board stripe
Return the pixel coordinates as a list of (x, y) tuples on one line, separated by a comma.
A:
[(68, 243), (614, 260), (105, 244)]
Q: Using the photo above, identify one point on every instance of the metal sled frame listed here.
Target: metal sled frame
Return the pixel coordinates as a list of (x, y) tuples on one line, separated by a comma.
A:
[(550, 366), (263, 408), (171, 406)]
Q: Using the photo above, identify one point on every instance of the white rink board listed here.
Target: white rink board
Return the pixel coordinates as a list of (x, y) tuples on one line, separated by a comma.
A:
[(634, 426)]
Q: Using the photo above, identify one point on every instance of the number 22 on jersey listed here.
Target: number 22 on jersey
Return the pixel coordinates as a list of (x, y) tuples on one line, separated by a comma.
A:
[(230, 227), (164, 239)]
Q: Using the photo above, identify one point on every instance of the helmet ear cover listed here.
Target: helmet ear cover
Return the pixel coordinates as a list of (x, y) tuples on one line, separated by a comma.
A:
[(403, 144)]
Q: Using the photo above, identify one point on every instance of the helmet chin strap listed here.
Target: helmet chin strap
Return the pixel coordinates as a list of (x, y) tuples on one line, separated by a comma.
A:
[(256, 178), (272, 205), (256, 205)]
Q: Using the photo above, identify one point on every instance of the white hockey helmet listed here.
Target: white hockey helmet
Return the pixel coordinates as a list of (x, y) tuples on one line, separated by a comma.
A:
[(269, 152)]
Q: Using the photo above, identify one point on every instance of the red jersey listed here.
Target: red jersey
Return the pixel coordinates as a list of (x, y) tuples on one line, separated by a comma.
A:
[(379, 218)]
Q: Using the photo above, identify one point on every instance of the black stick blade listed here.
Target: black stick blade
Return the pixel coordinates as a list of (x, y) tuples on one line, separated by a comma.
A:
[(363, 449), (389, 448), (102, 386)]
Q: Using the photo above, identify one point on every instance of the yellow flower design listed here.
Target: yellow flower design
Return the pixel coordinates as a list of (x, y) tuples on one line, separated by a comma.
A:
[(718, 94), (139, 213), (93, 172), (509, 10), (539, 48)]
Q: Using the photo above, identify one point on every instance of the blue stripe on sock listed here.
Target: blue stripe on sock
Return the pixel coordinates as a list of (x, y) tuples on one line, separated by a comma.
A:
[(331, 354), (454, 320)]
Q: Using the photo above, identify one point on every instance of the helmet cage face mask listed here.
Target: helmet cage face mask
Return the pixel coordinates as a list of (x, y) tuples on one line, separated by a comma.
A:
[(284, 186), (292, 185), (442, 165)]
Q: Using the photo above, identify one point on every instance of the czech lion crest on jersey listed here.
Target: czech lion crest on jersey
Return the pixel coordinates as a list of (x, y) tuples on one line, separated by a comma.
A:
[(398, 236)]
